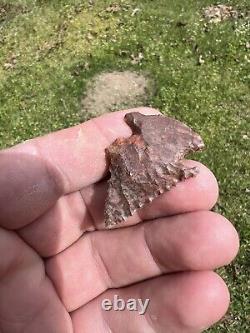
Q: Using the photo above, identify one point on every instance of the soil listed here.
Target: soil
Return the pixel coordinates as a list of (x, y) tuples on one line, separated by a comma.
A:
[(114, 91), (219, 13)]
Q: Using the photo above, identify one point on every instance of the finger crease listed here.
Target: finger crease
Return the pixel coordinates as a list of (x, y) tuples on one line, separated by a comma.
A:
[(150, 252), (104, 135), (100, 264), (149, 321), (88, 211), (56, 175), (106, 324)]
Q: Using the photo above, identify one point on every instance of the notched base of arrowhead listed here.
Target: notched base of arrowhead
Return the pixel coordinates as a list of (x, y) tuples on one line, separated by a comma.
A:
[(147, 164)]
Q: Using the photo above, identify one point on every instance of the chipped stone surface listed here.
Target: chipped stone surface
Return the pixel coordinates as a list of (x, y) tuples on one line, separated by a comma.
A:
[(147, 164)]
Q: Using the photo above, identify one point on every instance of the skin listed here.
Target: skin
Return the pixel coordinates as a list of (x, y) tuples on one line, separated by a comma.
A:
[(58, 262)]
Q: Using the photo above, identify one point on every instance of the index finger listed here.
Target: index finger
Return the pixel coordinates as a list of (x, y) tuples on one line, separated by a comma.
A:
[(34, 174)]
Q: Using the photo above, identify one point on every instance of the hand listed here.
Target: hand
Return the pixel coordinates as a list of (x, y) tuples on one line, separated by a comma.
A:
[(58, 262)]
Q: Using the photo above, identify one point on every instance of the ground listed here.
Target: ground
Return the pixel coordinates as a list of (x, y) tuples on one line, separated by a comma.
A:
[(114, 91), (51, 50)]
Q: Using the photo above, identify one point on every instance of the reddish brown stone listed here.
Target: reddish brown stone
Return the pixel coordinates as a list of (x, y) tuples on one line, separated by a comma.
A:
[(147, 164)]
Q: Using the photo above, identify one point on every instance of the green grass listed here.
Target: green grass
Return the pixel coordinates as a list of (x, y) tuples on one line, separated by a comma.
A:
[(44, 46)]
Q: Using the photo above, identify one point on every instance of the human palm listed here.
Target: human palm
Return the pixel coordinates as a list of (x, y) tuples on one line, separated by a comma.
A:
[(58, 262)]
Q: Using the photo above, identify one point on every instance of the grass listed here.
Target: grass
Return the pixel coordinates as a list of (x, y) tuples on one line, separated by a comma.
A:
[(50, 49)]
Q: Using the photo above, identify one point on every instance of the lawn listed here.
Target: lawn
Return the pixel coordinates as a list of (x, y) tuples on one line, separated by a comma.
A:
[(49, 50)]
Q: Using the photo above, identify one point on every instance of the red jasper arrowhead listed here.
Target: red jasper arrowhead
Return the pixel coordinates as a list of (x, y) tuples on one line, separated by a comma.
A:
[(147, 164)]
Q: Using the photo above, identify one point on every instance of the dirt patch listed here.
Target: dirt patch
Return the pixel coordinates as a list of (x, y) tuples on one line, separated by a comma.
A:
[(219, 13), (8, 10), (116, 90)]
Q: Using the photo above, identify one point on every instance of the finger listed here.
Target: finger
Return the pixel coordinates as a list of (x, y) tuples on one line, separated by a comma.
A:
[(29, 188), (185, 302), (72, 216), (60, 227), (124, 256), (33, 175), (28, 301)]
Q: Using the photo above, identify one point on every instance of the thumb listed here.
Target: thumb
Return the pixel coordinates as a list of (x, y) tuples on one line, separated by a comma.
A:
[(29, 187)]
